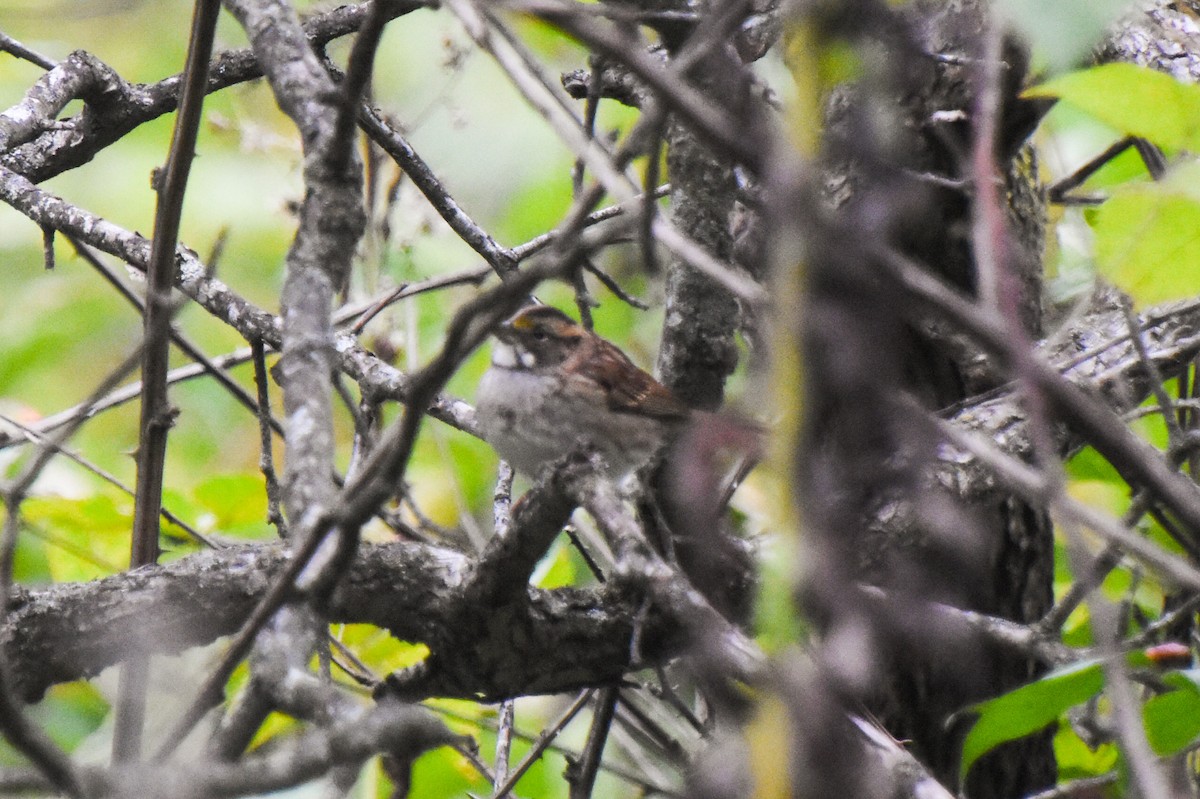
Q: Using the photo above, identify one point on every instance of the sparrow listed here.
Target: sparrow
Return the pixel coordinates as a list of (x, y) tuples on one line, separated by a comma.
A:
[(553, 385)]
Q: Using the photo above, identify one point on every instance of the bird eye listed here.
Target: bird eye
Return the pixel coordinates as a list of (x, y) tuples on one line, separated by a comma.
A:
[(539, 334)]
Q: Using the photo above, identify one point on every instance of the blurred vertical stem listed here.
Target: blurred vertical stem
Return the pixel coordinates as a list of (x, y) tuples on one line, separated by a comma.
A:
[(156, 412)]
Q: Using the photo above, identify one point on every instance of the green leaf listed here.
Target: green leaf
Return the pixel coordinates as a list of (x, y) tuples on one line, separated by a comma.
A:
[(237, 502), (1184, 679), (444, 773), (1088, 464), (1077, 760), (70, 712), (1172, 719), (556, 570), (776, 622), (86, 538), (1030, 708), (1135, 100), (1148, 240), (378, 649)]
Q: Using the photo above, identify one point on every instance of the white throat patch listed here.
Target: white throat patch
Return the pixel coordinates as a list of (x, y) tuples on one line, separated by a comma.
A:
[(506, 356)]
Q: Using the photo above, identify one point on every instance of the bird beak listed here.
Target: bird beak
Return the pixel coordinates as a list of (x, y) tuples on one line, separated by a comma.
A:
[(505, 331)]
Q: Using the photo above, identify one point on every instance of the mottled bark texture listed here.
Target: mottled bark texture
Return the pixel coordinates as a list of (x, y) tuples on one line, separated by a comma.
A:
[(1160, 34), (898, 175), (332, 220), (698, 351), (542, 642)]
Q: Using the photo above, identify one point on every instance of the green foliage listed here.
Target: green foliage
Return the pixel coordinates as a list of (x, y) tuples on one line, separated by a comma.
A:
[(1146, 233), (1133, 100), (535, 208), (840, 62), (1148, 238), (378, 649), (558, 568), (1030, 708), (444, 774), (85, 538), (234, 504), (54, 316), (1172, 719), (776, 623), (69, 713), (1077, 760)]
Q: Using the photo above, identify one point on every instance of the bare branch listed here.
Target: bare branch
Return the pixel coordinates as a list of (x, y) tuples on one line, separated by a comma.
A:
[(63, 147), (571, 637), (157, 415), (384, 728)]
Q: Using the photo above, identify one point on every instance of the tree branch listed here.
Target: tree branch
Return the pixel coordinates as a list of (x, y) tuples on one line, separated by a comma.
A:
[(545, 642), (57, 147)]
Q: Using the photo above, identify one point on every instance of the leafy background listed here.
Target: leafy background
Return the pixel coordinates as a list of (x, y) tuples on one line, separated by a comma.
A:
[(60, 331)]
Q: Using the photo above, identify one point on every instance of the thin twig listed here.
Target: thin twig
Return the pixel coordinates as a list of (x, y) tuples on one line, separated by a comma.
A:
[(358, 73), (1164, 622), (988, 236), (1126, 710), (1096, 422), (664, 691), (589, 560), (614, 286), (1142, 411), (266, 460), (503, 746), (582, 775), (178, 339), (1084, 584), (502, 260), (156, 414), (584, 301), (14, 724), (1020, 477), (48, 248), (607, 169), (738, 139), (641, 725), (541, 242), (649, 205), (471, 277), (590, 109), (1174, 431), (126, 394), (544, 741), (10, 45), (41, 440), (1086, 787)]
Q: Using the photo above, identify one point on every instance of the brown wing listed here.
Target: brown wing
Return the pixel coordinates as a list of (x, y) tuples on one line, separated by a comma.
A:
[(629, 389)]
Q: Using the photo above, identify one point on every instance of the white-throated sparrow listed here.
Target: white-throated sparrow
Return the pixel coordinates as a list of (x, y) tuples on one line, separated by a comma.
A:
[(554, 384)]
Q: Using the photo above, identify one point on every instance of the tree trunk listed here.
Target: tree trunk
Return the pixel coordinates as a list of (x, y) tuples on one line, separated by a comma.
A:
[(899, 175)]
